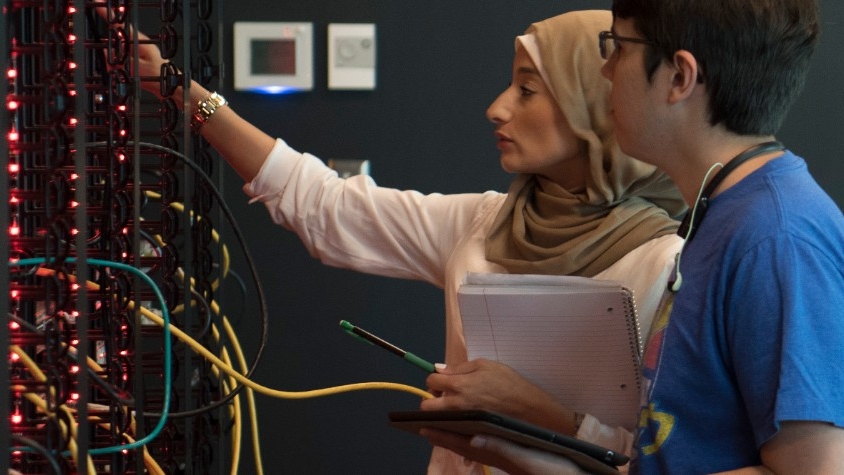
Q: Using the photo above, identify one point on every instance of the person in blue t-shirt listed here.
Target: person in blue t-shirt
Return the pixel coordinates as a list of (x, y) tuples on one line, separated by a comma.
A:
[(743, 369)]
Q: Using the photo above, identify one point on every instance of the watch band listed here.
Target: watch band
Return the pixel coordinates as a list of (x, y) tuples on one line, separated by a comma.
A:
[(205, 108)]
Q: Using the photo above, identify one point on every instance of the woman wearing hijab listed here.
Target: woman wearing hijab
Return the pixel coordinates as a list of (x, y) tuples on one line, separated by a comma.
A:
[(597, 214), (577, 206)]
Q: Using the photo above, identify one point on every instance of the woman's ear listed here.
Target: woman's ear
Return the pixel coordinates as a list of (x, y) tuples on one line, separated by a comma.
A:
[(686, 72)]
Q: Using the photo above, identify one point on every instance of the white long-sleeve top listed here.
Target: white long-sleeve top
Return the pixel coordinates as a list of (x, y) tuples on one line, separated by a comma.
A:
[(354, 224)]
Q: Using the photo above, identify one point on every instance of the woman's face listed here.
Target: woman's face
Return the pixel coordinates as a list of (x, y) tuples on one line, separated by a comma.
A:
[(532, 133)]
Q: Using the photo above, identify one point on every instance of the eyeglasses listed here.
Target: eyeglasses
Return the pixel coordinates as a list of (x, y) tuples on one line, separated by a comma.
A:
[(608, 48)]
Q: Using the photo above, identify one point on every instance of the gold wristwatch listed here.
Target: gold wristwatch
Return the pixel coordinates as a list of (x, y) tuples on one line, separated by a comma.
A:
[(205, 108)]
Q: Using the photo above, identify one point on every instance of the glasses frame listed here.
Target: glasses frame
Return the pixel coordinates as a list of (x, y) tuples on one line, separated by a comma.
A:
[(609, 35)]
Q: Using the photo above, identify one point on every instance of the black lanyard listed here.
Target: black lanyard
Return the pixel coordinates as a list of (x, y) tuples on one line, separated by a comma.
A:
[(703, 202)]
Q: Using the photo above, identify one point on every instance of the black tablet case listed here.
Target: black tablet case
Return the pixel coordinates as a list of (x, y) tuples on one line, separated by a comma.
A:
[(588, 456)]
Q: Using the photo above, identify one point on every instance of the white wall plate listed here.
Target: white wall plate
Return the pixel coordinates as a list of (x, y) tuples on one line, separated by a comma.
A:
[(351, 56)]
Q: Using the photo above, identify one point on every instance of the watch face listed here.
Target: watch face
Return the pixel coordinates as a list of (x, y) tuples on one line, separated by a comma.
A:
[(206, 108)]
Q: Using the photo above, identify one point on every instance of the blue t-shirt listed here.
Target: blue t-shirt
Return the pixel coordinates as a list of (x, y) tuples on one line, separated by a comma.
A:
[(756, 334)]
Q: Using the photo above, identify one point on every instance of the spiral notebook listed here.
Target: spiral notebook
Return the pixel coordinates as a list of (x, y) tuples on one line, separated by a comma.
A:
[(576, 337)]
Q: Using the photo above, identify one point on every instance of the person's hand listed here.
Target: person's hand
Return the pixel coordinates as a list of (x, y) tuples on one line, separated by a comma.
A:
[(493, 386), (150, 61), (513, 458), (477, 384)]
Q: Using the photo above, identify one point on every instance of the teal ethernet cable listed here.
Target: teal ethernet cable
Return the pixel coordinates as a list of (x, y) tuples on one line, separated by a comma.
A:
[(167, 347)]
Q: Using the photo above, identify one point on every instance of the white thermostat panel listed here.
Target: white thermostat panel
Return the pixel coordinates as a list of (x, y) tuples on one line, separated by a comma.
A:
[(273, 57), (351, 56)]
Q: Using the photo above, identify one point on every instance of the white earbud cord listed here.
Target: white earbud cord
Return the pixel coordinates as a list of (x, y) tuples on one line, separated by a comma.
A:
[(678, 281)]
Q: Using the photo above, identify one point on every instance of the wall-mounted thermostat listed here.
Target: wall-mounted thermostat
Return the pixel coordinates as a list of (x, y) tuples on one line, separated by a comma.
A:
[(273, 57), (351, 56)]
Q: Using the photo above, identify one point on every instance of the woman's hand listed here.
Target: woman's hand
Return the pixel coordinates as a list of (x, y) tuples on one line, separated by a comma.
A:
[(477, 384), (150, 61), (513, 458), (492, 386)]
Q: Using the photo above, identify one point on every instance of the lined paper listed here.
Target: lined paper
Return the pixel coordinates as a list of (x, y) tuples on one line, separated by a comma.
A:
[(575, 337)]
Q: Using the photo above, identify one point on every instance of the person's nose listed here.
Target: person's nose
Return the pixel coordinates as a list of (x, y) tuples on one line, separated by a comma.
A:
[(497, 112)]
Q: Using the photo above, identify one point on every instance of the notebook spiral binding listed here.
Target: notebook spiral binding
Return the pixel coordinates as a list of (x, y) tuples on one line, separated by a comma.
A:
[(634, 330)]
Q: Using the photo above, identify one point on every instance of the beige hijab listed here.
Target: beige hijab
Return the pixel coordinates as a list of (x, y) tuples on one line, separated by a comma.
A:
[(544, 229)]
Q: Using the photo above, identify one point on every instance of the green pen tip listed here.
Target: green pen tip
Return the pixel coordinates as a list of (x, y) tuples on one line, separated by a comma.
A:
[(346, 325)]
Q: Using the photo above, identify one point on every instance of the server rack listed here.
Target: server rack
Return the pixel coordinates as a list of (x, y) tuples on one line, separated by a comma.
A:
[(112, 241)]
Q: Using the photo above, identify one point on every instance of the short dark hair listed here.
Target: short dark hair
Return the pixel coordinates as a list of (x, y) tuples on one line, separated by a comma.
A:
[(753, 54)]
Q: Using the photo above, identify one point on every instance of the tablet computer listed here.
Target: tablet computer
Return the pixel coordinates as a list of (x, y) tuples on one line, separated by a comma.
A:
[(588, 456)]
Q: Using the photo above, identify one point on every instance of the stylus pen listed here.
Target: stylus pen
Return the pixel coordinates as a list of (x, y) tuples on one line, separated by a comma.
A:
[(364, 335)]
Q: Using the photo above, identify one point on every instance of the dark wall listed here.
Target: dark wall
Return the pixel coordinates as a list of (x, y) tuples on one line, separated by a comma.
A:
[(440, 64)]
